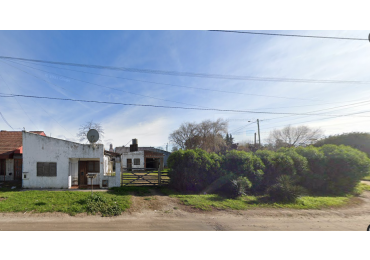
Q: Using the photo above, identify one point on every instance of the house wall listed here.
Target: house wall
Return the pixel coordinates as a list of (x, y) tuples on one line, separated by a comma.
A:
[(73, 164), (9, 169), (37, 148), (113, 181), (132, 155)]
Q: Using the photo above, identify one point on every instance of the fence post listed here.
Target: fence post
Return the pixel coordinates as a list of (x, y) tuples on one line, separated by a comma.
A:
[(159, 175)]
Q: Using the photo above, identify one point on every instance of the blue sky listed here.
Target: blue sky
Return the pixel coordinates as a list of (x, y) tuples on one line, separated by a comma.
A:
[(181, 51)]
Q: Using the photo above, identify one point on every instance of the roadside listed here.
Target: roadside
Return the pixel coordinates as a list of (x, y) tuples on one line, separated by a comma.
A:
[(154, 211)]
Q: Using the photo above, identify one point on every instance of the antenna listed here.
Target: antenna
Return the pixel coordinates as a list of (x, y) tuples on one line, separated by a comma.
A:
[(92, 136)]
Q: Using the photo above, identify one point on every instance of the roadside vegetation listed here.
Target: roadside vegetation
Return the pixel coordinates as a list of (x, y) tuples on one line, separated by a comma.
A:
[(71, 202), (303, 177)]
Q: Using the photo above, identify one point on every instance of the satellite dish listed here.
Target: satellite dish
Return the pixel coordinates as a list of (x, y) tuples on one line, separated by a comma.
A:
[(92, 136)]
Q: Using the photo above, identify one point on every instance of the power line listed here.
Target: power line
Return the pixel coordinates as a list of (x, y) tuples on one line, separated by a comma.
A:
[(19, 103), (170, 107), (292, 35), (6, 121), (172, 85), (353, 104), (101, 85), (190, 74)]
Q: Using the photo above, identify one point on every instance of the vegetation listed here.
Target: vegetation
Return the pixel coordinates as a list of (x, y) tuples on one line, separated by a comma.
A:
[(284, 175), (360, 141), (70, 202), (193, 170), (285, 190), (210, 201), (207, 135), (291, 136), (84, 129)]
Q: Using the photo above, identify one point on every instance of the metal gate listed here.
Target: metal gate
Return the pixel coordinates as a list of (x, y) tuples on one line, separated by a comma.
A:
[(143, 177)]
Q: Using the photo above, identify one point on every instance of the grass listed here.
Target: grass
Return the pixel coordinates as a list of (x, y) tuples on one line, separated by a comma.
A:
[(70, 202), (366, 178), (214, 201)]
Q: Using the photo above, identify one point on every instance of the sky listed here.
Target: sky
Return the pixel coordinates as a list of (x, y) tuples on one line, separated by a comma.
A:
[(195, 51)]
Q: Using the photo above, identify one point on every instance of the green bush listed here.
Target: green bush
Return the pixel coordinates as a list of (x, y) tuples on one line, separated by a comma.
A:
[(360, 141), (345, 167), (276, 165), (284, 190), (244, 164), (300, 162), (241, 185), (193, 170), (233, 186), (97, 203)]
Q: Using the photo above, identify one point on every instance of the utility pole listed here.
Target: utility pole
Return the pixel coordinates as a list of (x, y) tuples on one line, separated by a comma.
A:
[(255, 139), (259, 136)]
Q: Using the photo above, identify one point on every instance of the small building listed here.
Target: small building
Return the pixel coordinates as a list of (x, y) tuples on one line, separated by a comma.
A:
[(126, 150), (11, 150), (134, 157), (55, 163)]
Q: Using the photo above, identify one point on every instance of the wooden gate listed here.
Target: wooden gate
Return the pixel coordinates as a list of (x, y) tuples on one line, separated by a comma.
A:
[(143, 177)]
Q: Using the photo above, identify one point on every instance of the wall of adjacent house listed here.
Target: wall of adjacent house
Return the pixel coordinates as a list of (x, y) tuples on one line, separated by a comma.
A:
[(132, 156), (37, 148), (9, 170), (113, 181)]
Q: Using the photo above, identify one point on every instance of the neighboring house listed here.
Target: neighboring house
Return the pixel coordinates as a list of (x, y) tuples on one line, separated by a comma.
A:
[(55, 163), (137, 157), (11, 149), (126, 150)]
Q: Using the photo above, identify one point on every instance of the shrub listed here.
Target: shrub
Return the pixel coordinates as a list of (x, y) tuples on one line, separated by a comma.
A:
[(284, 190), (244, 164), (97, 203), (233, 186), (193, 170), (315, 179), (300, 162), (276, 165), (241, 185), (345, 167)]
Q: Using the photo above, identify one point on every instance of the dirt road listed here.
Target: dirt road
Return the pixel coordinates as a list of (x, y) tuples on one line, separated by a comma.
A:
[(156, 212)]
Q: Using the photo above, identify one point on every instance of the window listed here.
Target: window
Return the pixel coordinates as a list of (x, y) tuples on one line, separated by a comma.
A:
[(136, 161), (93, 166), (2, 167), (47, 169)]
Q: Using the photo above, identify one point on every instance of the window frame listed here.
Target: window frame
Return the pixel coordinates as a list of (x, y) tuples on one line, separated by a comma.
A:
[(46, 169), (135, 160)]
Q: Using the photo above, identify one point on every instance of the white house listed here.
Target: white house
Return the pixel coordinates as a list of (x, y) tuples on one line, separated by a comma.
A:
[(54, 163), (11, 154), (140, 159)]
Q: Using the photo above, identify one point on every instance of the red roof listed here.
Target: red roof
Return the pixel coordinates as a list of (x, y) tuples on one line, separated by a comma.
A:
[(11, 142)]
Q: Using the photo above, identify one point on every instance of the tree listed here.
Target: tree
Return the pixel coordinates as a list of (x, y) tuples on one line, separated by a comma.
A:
[(229, 139), (86, 127), (207, 135), (360, 141), (291, 136)]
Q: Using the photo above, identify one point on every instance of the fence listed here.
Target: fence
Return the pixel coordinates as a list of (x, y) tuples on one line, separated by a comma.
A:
[(144, 177)]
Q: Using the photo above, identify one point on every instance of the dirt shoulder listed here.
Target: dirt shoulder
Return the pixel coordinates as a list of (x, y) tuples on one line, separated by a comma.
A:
[(158, 212)]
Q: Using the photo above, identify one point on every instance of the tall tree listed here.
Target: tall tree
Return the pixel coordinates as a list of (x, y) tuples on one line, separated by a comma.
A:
[(291, 136), (360, 141), (206, 135), (86, 127)]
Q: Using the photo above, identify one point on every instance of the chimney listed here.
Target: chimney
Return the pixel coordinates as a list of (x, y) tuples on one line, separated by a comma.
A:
[(134, 146), (111, 148)]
